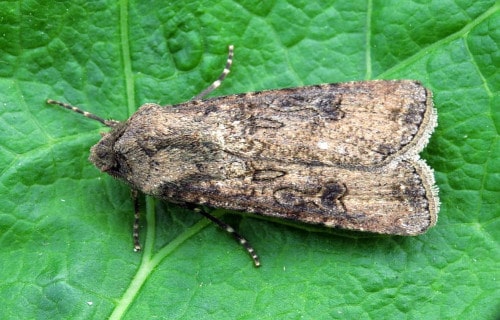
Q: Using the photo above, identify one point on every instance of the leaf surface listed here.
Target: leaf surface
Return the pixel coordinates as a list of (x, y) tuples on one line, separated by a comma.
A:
[(65, 228)]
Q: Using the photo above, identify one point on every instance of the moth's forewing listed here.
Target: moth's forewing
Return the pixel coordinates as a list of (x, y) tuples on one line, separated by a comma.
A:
[(399, 199), (355, 124)]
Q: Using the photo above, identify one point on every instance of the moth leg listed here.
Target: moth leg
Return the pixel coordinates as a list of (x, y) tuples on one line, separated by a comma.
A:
[(235, 235), (137, 215), (222, 76)]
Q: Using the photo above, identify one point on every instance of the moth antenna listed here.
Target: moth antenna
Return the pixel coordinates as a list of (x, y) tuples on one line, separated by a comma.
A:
[(235, 235), (109, 123), (221, 78)]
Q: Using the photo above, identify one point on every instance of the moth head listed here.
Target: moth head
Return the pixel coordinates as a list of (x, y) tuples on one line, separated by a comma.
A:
[(102, 154)]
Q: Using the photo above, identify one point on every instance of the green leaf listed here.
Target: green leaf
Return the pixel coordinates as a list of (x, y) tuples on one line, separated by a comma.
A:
[(66, 228)]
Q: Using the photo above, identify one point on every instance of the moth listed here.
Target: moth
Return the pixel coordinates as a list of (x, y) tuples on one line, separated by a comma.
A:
[(341, 155)]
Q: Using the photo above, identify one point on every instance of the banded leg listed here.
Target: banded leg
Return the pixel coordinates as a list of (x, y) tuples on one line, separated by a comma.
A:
[(235, 235), (221, 78), (137, 216)]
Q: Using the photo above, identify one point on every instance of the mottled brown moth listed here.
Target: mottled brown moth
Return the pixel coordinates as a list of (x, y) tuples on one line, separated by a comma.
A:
[(340, 155)]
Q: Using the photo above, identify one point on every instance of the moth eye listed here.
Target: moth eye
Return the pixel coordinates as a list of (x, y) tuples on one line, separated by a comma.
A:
[(118, 166)]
